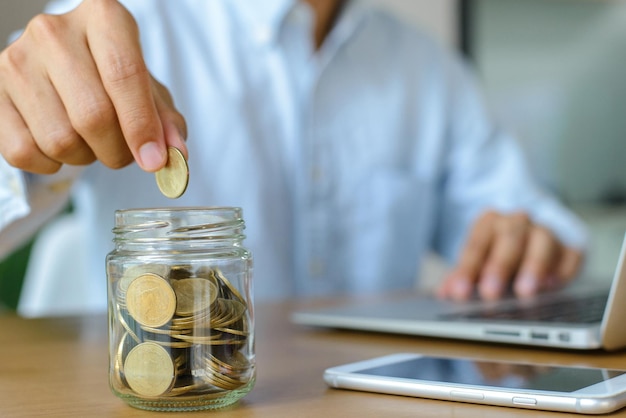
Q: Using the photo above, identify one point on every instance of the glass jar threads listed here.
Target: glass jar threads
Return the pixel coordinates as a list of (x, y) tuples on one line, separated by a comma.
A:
[(181, 317)]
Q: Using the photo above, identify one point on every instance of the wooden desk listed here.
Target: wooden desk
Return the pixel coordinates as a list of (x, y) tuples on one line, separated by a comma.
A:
[(58, 368)]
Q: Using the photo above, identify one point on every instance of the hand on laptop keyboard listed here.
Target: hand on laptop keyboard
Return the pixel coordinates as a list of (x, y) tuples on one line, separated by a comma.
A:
[(509, 251)]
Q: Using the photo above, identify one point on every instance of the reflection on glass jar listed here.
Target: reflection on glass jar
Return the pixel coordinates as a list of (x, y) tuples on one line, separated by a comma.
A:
[(181, 318)]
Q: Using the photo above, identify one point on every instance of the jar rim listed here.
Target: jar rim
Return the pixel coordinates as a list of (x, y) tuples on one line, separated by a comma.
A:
[(179, 209), (178, 223)]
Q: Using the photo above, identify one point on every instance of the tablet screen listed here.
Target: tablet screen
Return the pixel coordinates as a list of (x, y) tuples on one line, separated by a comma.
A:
[(485, 373)]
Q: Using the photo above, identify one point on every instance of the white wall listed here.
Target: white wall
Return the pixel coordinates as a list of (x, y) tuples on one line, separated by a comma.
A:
[(555, 71)]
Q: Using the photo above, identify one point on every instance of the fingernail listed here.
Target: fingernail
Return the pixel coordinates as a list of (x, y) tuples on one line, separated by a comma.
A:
[(491, 286), (151, 156), (461, 289), (526, 285)]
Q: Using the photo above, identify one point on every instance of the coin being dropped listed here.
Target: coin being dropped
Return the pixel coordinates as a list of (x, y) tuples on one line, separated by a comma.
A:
[(172, 179), (149, 369), (150, 300)]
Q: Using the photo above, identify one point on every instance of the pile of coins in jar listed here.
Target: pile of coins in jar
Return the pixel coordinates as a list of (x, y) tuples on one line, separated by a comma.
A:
[(185, 332)]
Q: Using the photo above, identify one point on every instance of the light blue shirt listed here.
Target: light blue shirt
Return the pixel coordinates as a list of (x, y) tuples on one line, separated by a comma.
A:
[(350, 163)]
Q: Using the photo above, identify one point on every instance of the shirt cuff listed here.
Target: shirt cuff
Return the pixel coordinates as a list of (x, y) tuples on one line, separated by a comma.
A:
[(13, 194)]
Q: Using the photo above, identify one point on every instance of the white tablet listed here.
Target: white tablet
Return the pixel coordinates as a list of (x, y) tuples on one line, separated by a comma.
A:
[(535, 386)]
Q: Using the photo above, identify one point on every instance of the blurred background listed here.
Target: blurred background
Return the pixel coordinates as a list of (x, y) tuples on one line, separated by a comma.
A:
[(554, 72), (555, 75)]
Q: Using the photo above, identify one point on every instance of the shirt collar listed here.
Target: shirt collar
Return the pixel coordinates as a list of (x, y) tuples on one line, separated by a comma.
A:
[(352, 15)]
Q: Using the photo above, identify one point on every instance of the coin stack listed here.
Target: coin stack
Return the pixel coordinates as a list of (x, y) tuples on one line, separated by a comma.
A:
[(185, 333)]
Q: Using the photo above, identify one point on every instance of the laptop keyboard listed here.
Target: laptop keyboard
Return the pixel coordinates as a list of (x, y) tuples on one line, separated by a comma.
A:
[(581, 310)]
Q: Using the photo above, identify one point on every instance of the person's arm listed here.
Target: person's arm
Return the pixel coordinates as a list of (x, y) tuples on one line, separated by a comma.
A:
[(517, 235)]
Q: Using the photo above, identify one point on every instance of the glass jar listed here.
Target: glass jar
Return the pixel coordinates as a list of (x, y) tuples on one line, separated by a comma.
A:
[(181, 318)]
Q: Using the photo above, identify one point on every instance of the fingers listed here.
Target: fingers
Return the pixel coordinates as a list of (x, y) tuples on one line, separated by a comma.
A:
[(490, 256), (81, 104), (569, 264), (20, 150), (539, 265), (40, 106), (119, 61), (548, 264), (511, 234), (174, 125), (506, 251), (17, 144), (74, 88), (459, 285)]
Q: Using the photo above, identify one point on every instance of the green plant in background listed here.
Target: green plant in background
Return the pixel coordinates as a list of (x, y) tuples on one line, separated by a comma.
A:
[(12, 271)]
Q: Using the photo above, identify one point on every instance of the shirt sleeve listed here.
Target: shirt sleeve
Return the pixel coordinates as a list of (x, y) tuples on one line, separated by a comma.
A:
[(485, 169), (28, 201), (13, 194)]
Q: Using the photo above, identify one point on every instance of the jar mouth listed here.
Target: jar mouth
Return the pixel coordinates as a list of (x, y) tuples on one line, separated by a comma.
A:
[(182, 223), (223, 211)]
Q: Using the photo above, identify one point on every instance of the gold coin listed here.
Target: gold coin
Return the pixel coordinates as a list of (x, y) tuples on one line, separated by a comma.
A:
[(118, 361), (139, 269), (193, 295), (171, 343), (231, 288), (235, 363), (149, 370), (230, 312), (135, 271), (172, 179), (150, 300), (129, 330), (180, 272), (233, 331)]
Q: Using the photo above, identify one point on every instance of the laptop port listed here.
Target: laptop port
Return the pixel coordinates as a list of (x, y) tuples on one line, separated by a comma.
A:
[(502, 333), (565, 337), (539, 335)]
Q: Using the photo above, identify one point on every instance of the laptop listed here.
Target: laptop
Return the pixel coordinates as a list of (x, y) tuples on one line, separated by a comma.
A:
[(586, 315)]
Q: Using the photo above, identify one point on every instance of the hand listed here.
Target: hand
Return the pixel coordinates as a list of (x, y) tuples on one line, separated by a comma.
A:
[(505, 250), (74, 88)]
